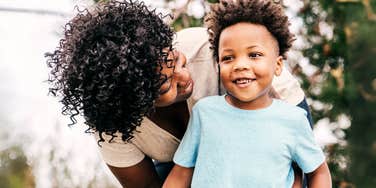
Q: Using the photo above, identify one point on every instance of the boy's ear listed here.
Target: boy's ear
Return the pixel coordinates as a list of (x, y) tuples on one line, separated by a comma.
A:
[(279, 66)]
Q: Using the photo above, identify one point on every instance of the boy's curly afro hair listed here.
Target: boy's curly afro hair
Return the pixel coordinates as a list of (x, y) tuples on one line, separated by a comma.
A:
[(263, 12), (106, 66)]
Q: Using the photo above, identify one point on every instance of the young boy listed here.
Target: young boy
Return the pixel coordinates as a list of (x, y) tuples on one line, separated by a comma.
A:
[(245, 138)]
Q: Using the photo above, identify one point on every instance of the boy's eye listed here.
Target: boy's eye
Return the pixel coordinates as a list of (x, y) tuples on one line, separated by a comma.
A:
[(254, 55), (226, 58)]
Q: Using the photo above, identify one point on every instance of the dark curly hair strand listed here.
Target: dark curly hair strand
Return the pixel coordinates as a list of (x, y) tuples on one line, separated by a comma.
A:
[(263, 12), (105, 67)]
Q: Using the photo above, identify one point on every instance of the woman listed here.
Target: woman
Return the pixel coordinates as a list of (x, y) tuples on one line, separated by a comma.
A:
[(117, 67)]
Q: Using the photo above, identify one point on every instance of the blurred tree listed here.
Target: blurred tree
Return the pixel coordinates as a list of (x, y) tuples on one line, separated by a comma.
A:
[(14, 170), (346, 81)]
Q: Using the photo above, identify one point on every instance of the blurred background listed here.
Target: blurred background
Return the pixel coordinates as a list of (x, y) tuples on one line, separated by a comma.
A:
[(332, 57)]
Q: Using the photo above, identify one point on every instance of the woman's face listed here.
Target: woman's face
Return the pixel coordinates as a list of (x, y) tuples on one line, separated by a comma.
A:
[(177, 82)]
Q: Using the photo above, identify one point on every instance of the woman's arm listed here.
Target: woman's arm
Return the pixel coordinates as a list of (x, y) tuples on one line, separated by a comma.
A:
[(141, 175), (320, 178), (179, 177)]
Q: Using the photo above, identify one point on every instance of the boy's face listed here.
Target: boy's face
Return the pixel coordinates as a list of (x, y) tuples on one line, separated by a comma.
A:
[(249, 58)]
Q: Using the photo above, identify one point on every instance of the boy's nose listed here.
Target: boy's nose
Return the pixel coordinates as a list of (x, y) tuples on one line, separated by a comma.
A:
[(242, 64)]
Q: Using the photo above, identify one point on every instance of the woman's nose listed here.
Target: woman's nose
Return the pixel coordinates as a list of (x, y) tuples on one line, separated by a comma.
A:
[(180, 61), (181, 74)]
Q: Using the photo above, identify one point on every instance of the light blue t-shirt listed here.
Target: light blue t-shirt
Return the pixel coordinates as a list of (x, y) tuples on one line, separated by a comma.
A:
[(235, 148)]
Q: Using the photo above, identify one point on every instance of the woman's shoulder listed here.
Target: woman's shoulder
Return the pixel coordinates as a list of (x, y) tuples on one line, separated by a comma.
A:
[(193, 42), (288, 87), (117, 152), (121, 153)]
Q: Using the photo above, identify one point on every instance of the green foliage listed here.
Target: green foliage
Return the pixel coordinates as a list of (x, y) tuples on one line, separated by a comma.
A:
[(14, 170), (184, 21), (346, 65), (337, 164)]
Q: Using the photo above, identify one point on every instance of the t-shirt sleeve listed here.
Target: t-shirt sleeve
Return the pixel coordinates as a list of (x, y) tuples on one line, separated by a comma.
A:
[(119, 153), (307, 154), (186, 154)]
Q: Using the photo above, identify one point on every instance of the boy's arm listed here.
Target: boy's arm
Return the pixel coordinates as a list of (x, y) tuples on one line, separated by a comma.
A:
[(320, 178), (179, 177), (298, 174)]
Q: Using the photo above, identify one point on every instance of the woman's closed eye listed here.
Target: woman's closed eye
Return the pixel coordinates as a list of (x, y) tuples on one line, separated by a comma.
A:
[(170, 63), (168, 60)]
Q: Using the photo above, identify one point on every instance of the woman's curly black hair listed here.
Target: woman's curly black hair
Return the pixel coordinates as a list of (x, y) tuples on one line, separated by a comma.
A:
[(106, 66), (263, 12)]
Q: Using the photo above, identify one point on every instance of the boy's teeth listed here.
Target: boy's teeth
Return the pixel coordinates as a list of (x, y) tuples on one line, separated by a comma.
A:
[(242, 81)]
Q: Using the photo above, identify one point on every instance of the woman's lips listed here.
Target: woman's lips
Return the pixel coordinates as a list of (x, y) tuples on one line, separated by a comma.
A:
[(187, 84), (186, 87)]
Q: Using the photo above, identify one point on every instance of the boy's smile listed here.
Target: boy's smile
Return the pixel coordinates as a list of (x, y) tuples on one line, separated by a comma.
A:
[(244, 81), (249, 58)]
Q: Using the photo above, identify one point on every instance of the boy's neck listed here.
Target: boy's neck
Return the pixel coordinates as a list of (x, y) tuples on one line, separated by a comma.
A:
[(260, 102)]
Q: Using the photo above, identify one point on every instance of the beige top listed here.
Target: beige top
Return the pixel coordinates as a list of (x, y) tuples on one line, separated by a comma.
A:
[(157, 143), (149, 140)]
